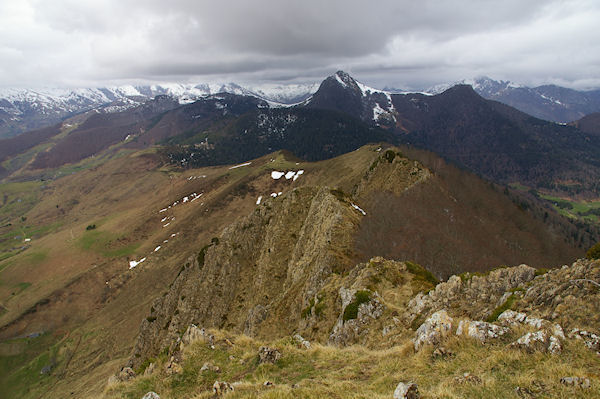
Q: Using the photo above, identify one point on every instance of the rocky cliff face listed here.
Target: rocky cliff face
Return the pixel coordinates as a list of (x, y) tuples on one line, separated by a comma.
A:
[(260, 273), (267, 273)]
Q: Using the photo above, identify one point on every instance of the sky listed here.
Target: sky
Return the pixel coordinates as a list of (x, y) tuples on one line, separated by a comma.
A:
[(403, 44)]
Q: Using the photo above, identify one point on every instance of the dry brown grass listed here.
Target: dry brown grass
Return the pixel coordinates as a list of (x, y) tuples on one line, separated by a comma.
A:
[(357, 372)]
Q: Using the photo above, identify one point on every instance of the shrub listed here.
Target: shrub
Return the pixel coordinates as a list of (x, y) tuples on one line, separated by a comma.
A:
[(389, 155), (421, 273), (594, 252), (90, 227), (360, 297), (500, 309)]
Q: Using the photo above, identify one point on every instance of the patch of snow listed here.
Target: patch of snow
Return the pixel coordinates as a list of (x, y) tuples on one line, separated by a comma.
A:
[(165, 225), (27, 239), (156, 249), (186, 199), (133, 263), (239, 166), (298, 173), (277, 175), (289, 175), (163, 219), (358, 209), (162, 210), (273, 195), (258, 200), (377, 111), (344, 84)]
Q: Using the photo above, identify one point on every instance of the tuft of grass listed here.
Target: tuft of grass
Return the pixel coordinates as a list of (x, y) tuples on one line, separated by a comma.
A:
[(500, 309), (421, 273)]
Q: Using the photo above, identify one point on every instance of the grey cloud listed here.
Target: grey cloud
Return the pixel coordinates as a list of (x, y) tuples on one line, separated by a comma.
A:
[(388, 42)]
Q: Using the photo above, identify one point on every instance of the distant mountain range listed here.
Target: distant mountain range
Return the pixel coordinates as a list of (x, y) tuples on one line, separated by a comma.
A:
[(491, 139), (24, 109), (548, 102)]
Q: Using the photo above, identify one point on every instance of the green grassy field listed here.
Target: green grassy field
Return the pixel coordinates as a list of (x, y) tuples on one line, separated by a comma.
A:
[(582, 210)]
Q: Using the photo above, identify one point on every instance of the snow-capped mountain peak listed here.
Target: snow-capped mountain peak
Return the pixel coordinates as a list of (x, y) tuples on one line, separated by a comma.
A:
[(27, 109)]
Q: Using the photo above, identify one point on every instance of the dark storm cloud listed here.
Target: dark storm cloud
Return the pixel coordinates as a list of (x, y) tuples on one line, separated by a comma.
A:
[(405, 43)]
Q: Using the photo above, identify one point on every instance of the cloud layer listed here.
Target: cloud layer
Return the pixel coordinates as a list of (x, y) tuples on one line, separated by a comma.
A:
[(389, 42)]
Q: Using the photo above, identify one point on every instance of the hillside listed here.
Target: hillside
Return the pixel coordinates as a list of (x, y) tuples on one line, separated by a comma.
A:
[(92, 226), (533, 344), (548, 102), (500, 142), (589, 123)]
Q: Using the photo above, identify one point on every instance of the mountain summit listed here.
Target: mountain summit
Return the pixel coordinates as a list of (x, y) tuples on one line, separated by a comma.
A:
[(341, 92)]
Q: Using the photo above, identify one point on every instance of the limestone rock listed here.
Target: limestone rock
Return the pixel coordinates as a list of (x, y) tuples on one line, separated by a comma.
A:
[(301, 341), (151, 395), (512, 318), (268, 355), (591, 340), (221, 388), (539, 341), (255, 317), (126, 374), (406, 390), (193, 334), (480, 330), (173, 367), (434, 330), (473, 295), (441, 353), (209, 367), (580, 382), (350, 331)]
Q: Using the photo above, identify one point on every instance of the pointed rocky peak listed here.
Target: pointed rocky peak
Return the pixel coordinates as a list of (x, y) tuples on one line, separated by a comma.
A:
[(344, 79), (341, 92)]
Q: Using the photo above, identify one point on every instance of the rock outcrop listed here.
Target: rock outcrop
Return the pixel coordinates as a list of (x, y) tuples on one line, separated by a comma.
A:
[(268, 355), (480, 330), (539, 341), (406, 390), (434, 330), (260, 274), (475, 294)]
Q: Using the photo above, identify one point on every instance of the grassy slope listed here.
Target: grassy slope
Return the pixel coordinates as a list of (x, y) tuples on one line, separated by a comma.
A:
[(357, 372), (84, 274)]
